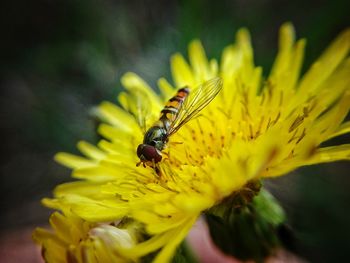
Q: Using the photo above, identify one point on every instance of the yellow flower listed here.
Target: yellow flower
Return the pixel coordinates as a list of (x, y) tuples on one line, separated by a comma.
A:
[(253, 129), (75, 240)]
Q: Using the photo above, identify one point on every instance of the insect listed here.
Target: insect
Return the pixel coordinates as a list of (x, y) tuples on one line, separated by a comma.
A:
[(179, 110)]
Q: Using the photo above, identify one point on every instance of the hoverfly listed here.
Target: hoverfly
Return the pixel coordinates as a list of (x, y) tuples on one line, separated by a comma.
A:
[(179, 110)]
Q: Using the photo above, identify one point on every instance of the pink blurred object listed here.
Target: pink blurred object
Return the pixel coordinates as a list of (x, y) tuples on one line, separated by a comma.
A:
[(203, 247), (17, 246)]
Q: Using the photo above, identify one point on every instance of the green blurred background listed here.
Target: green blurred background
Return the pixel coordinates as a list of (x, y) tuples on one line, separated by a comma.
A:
[(60, 58)]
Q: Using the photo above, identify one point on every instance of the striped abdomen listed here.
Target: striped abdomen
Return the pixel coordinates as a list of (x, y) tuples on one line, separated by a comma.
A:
[(157, 135), (172, 108)]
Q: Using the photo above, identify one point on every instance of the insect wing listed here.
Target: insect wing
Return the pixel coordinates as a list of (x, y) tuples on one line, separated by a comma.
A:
[(196, 101)]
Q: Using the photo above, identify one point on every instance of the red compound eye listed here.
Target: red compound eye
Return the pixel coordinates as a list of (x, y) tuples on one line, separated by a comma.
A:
[(148, 153)]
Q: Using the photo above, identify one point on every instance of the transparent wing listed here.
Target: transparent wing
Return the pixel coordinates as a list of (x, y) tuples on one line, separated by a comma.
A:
[(197, 100)]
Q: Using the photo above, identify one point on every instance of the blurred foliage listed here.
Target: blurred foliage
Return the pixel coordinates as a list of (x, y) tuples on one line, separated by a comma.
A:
[(60, 58)]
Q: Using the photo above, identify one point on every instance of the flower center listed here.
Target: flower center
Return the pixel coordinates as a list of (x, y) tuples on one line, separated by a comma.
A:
[(199, 139)]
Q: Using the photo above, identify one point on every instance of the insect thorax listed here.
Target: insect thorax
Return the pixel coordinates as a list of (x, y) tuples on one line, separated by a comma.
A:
[(156, 136)]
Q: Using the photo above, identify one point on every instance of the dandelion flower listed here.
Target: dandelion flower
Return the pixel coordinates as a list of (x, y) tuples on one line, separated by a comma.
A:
[(253, 129)]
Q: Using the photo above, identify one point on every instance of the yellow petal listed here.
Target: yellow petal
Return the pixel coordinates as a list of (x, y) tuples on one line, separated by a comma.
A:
[(284, 56), (167, 90), (343, 129), (199, 61), (117, 117), (325, 64), (73, 161), (166, 254), (90, 150), (181, 71)]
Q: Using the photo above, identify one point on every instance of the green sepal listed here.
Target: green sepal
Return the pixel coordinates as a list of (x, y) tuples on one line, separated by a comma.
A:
[(247, 228), (184, 254)]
